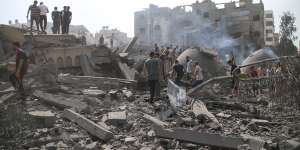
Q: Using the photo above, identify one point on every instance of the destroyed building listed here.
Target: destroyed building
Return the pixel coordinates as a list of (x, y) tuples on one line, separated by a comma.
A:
[(270, 40), (207, 24), (119, 39)]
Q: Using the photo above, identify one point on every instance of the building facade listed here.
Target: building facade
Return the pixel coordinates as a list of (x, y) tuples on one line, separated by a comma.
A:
[(269, 29), (199, 23)]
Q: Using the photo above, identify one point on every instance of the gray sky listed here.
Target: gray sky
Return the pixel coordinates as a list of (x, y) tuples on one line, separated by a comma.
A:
[(119, 13)]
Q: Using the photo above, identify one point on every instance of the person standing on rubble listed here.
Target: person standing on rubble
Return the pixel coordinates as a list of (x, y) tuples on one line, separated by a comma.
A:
[(21, 68), (197, 75), (43, 17), (188, 68), (235, 79), (68, 17), (34, 15), (179, 70), (63, 20), (152, 70), (56, 17)]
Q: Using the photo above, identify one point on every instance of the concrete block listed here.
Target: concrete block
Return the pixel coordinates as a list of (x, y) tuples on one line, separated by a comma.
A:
[(116, 118), (43, 118)]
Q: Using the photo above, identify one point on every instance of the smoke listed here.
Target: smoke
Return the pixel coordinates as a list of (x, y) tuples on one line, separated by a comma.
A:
[(208, 35)]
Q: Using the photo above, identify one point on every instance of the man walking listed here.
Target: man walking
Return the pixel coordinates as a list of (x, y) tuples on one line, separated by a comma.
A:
[(21, 68), (43, 16), (34, 15), (152, 69), (56, 17)]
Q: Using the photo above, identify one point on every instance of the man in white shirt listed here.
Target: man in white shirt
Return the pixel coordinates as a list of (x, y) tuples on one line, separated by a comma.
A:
[(43, 16)]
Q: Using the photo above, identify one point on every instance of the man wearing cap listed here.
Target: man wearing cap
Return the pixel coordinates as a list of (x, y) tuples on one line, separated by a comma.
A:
[(34, 15), (43, 16), (56, 17)]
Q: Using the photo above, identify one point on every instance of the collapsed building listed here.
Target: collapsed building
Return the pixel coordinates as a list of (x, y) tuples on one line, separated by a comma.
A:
[(234, 26)]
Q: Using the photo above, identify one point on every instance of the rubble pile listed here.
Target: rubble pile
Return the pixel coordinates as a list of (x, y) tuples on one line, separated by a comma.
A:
[(67, 117), (63, 111)]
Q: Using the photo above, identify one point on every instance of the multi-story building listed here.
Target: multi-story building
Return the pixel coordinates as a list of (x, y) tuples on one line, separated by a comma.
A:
[(242, 21), (269, 28)]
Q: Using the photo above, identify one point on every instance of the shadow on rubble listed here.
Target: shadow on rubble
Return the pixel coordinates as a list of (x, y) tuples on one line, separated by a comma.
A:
[(14, 124)]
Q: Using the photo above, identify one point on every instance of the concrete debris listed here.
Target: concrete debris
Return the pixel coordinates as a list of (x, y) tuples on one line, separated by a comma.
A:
[(214, 140), (130, 139), (105, 108), (155, 121), (6, 97), (115, 118), (88, 125), (43, 118), (93, 92), (200, 111), (61, 102)]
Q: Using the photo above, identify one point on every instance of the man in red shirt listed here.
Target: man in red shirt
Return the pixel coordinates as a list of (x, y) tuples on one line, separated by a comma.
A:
[(21, 68)]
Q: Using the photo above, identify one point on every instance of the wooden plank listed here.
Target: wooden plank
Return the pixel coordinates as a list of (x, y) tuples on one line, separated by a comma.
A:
[(60, 101), (214, 140), (91, 127)]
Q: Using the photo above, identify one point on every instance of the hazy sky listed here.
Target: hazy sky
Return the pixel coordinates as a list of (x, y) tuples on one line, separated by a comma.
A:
[(119, 13)]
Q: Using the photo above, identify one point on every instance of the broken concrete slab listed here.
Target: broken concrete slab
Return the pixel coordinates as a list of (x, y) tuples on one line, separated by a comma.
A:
[(214, 140), (60, 101), (155, 121), (7, 91), (176, 94), (91, 127), (199, 109), (86, 66), (101, 82), (223, 115), (43, 118), (6, 97), (130, 139), (93, 92), (115, 118), (128, 73)]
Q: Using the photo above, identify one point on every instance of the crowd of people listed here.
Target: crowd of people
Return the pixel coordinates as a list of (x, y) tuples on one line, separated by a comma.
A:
[(162, 65), (255, 71), (61, 19)]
